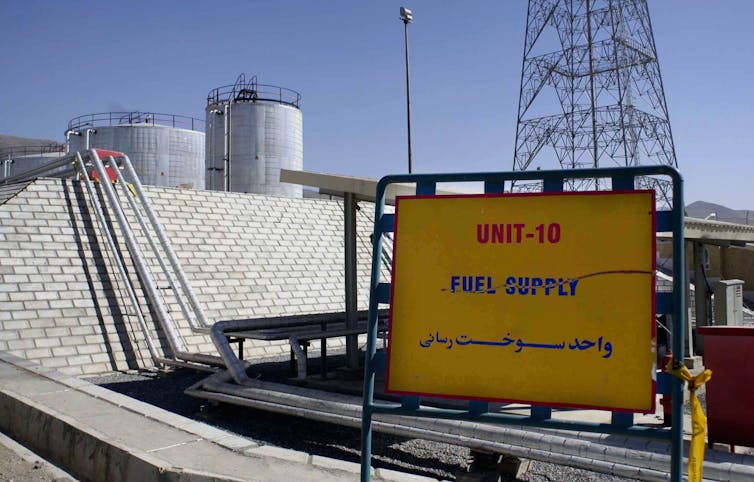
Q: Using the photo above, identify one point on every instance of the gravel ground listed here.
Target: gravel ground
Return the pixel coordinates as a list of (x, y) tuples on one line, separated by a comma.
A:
[(15, 468), (415, 456), (18, 464)]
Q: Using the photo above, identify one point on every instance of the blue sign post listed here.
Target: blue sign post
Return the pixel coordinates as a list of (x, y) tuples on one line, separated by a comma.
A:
[(623, 179)]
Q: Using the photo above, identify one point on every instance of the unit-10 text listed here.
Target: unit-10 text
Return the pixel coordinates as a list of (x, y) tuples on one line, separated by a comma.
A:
[(516, 233)]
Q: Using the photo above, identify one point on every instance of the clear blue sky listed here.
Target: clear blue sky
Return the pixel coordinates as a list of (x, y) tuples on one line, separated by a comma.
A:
[(64, 59)]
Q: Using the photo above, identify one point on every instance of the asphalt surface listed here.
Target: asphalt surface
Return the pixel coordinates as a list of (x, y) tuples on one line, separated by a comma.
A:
[(420, 457)]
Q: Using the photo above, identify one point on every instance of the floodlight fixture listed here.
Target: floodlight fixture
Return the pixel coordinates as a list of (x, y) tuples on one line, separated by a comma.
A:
[(406, 15)]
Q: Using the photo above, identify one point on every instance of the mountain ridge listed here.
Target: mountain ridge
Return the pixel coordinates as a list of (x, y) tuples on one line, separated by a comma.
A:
[(705, 209), (11, 142)]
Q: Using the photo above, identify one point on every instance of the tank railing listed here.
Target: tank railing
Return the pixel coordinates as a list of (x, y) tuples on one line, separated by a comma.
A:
[(100, 216), (104, 119), (253, 92), (10, 152), (242, 84), (165, 320)]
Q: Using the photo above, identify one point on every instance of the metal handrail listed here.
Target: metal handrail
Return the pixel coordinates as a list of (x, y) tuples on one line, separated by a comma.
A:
[(14, 151), (104, 119), (253, 91), (36, 172)]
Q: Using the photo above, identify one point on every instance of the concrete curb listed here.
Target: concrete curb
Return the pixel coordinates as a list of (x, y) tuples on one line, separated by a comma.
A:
[(87, 446), (85, 452)]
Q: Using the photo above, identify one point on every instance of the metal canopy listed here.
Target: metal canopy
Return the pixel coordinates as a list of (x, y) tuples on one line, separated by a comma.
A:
[(363, 188), (352, 190), (717, 232)]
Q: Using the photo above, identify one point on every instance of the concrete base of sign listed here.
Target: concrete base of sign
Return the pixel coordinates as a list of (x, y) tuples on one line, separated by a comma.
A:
[(346, 373), (488, 476), (486, 467), (513, 466)]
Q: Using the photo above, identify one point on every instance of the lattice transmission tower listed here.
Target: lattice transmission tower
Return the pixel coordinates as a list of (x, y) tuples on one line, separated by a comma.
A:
[(591, 92)]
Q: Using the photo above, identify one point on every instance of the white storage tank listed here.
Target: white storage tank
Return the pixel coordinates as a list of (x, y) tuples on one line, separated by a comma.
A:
[(253, 130), (16, 160), (165, 149)]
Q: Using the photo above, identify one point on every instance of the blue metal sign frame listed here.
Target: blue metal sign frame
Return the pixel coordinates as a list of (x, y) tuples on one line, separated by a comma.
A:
[(670, 220)]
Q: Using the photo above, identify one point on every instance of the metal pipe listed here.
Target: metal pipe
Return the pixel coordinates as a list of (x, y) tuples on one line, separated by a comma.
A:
[(6, 167), (68, 134), (152, 244), (701, 296), (229, 171), (351, 281), (156, 357), (184, 364), (679, 320), (594, 451), (494, 446), (164, 318), (34, 173), (226, 158), (173, 338), (166, 246), (211, 360), (86, 137), (210, 136), (371, 348), (236, 368)]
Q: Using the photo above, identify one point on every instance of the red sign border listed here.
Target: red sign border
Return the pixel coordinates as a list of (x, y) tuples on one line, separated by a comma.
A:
[(537, 194)]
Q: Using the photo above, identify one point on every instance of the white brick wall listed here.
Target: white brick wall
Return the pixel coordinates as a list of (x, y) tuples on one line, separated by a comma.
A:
[(63, 304)]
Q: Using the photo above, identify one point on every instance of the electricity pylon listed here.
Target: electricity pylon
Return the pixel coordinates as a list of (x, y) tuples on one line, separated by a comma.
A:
[(591, 92)]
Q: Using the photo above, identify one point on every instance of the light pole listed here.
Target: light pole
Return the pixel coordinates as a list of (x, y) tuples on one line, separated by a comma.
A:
[(407, 17)]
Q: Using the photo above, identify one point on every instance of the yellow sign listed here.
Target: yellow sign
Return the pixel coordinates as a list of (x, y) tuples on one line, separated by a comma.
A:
[(539, 298)]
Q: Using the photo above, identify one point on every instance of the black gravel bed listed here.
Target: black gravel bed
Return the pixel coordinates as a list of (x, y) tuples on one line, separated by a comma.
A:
[(421, 457)]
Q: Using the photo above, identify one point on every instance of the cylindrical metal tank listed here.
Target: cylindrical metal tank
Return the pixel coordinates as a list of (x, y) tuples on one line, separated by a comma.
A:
[(253, 130), (165, 149), (16, 160)]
